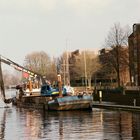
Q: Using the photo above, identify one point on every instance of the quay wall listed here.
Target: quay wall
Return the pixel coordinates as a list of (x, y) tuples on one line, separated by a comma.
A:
[(118, 97)]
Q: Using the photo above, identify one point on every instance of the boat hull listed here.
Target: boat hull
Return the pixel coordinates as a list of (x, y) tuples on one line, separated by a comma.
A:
[(71, 103)]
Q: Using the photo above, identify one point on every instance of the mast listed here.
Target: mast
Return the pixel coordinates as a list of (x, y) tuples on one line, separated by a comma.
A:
[(64, 64), (67, 64), (85, 67), (67, 68)]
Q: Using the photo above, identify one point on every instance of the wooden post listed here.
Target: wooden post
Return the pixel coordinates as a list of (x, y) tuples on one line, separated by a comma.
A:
[(100, 96), (30, 85), (134, 102), (59, 85)]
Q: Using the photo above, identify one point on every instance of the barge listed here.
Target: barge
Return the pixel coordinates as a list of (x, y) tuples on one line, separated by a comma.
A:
[(52, 100), (34, 95)]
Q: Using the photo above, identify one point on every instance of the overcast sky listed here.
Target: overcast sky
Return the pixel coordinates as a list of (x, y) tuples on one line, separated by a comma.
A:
[(45, 25)]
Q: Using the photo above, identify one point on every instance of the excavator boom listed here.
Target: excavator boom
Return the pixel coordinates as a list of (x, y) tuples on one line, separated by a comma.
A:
[(17, 67)]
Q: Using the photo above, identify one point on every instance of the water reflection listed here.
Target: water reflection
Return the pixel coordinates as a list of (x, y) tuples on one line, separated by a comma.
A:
[(2, 125), (136, 126), (118, 125), (25, 124)]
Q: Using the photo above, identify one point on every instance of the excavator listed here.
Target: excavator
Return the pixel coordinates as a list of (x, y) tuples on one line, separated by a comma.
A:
[(55, 98), (17, 67), (45, 90)]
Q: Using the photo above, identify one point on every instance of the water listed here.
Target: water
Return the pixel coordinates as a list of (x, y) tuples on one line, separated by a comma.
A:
[(100, 124)]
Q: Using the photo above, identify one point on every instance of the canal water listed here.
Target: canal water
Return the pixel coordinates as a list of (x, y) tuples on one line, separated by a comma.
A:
[(98, 124)]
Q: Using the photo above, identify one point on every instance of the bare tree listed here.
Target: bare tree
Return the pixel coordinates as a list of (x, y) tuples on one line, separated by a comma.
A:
[(87, 65), (63, 62), (52, 73), (41, 63), (117, 39), (38, 62), (11, 78)]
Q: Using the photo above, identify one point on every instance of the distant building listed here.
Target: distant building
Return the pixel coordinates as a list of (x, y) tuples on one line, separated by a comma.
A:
[(108, 59), (74, 78), (134, 55), (106, 76)]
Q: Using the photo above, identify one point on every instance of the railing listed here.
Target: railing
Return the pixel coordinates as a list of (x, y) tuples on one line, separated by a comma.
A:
[(134, 88)]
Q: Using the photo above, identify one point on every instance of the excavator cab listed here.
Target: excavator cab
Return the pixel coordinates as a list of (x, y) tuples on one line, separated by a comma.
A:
[(48, 90)]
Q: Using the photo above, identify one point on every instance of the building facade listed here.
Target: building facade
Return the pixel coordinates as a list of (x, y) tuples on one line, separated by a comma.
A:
[(134, 55), (108, 60)]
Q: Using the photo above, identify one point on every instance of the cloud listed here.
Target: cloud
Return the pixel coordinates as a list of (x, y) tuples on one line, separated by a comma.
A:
[(87, 5), (47, 4), (27, 5), (78, 6)]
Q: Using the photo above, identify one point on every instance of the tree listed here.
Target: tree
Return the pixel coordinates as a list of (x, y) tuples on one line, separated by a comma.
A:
[(11, 78), (38, 62), (87, 65), (117, 39), (63, 66), (41, 63), (52, 73)]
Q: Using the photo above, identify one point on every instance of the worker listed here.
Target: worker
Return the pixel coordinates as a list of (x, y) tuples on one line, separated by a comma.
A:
[(69, 89)]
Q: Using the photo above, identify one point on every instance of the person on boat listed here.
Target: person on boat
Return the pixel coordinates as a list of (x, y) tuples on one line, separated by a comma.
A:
[(20, 92), (69, 89)]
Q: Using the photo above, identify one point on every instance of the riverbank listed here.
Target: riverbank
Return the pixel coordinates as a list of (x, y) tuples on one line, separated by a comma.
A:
[(115, 99), (120, 98)]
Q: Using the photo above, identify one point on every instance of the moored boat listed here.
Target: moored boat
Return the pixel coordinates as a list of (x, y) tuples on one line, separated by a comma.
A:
[(44, 96), (51, 100), (81, 102)]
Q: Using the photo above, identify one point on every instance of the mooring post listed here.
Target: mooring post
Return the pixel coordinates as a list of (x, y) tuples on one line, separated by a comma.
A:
[(134, 102), (59, 85), (100, 96)]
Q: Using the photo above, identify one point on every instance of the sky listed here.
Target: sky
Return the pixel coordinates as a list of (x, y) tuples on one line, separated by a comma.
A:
[(54, 26)]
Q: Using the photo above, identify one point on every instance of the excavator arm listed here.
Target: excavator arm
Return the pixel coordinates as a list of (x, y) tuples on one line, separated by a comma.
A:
[(19, 68)]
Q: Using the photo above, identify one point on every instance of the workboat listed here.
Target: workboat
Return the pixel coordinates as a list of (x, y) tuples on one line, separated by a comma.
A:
[(76, 102), (66, 100), (50, 99), (44, 96)]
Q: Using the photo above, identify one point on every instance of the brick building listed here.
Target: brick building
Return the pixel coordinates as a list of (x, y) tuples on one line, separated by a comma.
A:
[(134, 55), (108, 60)]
